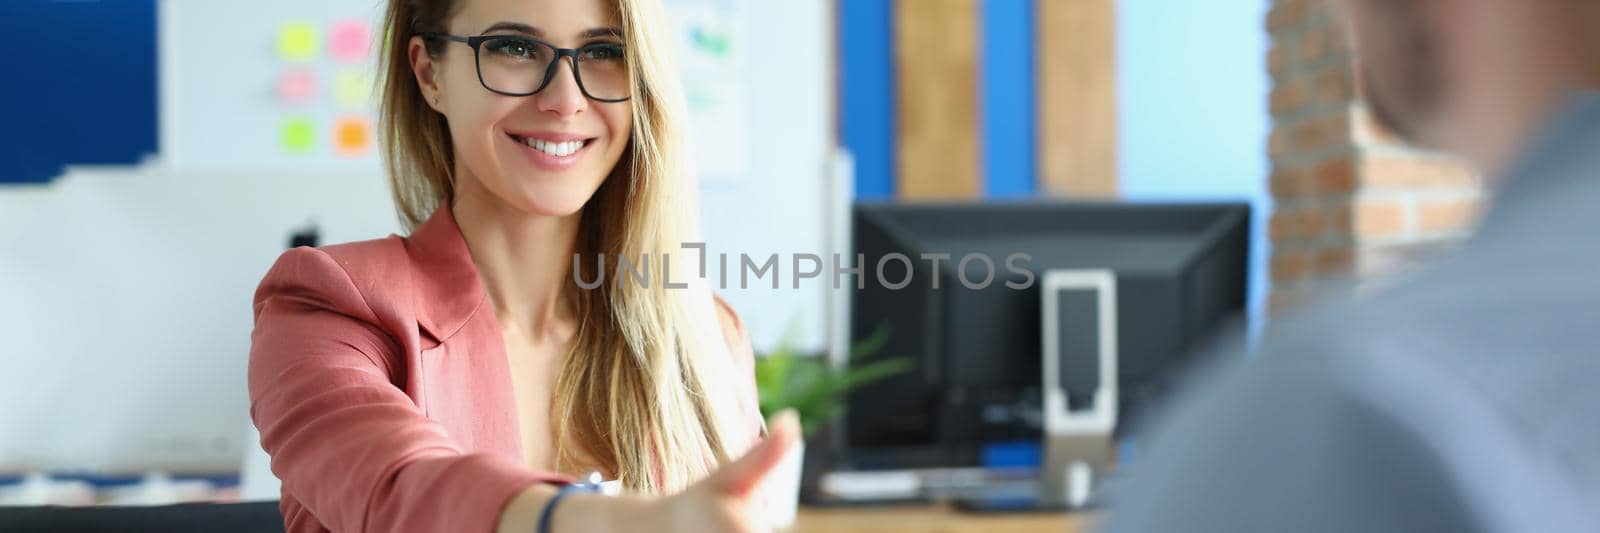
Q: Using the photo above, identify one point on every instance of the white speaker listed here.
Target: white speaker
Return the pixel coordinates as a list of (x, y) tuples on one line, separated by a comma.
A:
[(1079, 328)]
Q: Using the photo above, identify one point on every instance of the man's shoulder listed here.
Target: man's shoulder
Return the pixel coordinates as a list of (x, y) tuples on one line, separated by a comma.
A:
[(1403, 406)]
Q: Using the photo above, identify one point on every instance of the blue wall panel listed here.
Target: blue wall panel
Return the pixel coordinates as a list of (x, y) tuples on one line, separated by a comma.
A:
[(80, 85), (1007, 93), (866, 94)]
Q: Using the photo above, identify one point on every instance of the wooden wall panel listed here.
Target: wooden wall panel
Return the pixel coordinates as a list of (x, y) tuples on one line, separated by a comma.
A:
[(936, 66), (1077, 73)]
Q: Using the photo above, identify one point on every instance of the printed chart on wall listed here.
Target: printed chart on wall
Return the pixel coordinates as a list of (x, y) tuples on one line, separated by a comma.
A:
[(711, 57)]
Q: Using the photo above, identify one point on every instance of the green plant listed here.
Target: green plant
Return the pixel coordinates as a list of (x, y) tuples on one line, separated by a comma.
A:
[(813, 388)]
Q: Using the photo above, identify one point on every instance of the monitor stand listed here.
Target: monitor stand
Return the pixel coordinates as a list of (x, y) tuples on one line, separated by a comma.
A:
[(1079, 324)]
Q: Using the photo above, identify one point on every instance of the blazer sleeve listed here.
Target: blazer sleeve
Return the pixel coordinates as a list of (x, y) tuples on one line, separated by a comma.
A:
[(346, 441), (744, 362)]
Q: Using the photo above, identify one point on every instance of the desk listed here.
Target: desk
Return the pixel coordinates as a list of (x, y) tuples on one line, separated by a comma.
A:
[(934, 518)]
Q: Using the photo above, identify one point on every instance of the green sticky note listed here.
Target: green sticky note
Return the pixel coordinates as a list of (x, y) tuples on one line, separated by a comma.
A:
[(351, 88), (297, 135), (297, 41)]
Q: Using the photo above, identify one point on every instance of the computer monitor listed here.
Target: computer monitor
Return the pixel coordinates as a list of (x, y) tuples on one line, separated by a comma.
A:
[(1180, 270)]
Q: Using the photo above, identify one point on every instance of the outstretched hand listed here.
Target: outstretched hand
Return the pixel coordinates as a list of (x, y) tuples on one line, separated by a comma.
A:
[(725, 501)]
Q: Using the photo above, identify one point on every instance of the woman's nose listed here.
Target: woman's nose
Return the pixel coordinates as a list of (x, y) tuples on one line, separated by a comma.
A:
[(562, 96)]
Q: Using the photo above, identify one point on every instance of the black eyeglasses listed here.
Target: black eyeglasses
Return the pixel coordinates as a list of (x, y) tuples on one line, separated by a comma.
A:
[(521, 66)]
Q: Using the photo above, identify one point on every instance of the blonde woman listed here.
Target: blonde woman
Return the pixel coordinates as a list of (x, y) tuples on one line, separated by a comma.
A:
[(459, 378)]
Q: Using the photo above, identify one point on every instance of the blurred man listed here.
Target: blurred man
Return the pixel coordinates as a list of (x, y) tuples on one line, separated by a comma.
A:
[(1467, 399)]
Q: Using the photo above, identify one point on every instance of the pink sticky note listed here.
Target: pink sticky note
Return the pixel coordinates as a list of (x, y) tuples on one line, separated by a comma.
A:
[(349, 40), (297, 87)]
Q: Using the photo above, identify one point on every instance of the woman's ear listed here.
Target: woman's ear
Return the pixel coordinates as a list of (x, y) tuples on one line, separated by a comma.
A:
[(425, 69)]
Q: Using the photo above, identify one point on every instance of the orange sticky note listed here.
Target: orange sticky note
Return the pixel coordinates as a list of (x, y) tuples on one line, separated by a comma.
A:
[(352, 136)]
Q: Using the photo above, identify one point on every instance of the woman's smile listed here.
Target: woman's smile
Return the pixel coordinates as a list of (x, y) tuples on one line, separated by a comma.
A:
[(551, 150)]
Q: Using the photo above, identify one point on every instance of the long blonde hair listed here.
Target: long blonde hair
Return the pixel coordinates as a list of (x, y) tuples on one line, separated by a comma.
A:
[(636, 393)]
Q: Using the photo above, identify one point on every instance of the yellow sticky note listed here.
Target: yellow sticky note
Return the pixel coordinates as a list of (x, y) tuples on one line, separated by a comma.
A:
[(297, 41), (352, 88)]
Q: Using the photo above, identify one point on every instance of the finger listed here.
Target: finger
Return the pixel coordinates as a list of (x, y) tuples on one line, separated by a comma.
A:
[(741, 477)]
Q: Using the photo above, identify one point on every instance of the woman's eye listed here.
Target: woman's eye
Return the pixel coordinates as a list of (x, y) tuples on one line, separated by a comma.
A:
[(516, 49), (602, 53)]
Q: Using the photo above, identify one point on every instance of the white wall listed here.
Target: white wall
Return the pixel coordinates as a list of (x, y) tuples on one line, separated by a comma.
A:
[(128, 317), (1192, 114), (219, 74), (125, 293), (779, 206)]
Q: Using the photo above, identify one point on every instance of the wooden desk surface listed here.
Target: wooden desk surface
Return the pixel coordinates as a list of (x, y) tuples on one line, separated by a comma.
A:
[(934, 518)]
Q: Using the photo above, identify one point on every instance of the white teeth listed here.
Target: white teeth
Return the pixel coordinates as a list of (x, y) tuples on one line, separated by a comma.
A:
[(561, 149)]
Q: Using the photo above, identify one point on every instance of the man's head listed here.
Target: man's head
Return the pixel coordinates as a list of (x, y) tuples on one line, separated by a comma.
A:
[(1400, 70), (1472, 76)]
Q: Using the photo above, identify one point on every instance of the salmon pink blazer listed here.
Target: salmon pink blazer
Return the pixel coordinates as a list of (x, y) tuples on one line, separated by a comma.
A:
[(378, 379)]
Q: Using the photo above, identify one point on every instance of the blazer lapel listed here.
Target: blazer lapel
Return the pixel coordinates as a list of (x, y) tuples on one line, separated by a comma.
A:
[(448, 290)]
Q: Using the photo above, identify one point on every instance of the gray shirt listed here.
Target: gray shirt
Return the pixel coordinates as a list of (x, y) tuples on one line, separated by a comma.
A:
[(1464, 399)]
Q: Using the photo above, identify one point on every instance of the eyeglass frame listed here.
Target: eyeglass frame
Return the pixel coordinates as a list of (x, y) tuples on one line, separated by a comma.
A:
[(476, 42)]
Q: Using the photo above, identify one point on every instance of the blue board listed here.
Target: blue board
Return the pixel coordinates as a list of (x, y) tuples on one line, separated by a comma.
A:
[(80, 87)]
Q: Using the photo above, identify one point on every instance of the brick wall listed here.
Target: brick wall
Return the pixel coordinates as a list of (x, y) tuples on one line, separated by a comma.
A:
[(1352, 203)]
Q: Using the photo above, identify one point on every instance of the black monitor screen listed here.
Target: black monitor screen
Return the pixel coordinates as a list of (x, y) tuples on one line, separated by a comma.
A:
[(1180, 269)]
